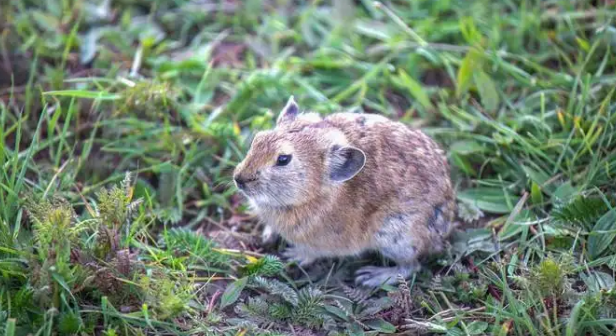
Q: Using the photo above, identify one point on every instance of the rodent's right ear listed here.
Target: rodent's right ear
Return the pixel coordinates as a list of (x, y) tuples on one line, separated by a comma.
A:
[(289, 112)]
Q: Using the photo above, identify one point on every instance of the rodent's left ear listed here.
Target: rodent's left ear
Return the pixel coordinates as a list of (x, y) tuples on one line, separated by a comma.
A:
[(289, 112), (345, 163)]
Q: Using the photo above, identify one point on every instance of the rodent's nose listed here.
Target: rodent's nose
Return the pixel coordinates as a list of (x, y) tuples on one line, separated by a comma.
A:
[(241, 181)]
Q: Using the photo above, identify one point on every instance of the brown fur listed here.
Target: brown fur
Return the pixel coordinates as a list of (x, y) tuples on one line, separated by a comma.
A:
[(406, 175)]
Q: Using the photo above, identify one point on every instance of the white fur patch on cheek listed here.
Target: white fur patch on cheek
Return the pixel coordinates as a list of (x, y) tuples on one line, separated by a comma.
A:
[(263, 200), (253, 204)]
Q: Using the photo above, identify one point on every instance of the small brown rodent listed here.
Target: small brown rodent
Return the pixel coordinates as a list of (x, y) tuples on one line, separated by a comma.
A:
[(350, 183)]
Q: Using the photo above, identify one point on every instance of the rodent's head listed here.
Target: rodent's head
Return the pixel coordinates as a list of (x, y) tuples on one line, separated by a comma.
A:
[(297, 161)]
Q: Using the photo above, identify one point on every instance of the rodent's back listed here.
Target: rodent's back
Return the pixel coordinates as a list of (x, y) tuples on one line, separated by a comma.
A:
[(405, 169)]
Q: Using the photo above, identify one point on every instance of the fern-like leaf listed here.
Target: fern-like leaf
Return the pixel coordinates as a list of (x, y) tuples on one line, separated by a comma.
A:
[(581, 210), (267, 266), (255, 311), (113, 206), (276, 287), (309, 309), (280, 311), (357, 295)]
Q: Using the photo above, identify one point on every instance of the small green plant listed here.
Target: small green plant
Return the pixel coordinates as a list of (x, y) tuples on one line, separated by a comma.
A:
[(550, 276)]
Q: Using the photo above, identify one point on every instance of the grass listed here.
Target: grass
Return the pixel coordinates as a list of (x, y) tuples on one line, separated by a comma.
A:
[(120, 122)]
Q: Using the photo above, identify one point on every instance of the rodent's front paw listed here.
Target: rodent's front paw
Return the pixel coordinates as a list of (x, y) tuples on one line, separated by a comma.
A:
[(298, 255), (268, 236)]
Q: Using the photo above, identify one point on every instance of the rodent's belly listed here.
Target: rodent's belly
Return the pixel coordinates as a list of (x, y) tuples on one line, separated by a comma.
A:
[(328, 233), (335, 247), (325, 240)]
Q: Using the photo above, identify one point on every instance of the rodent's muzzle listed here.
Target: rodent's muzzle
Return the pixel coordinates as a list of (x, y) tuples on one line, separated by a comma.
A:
[(242, 181)]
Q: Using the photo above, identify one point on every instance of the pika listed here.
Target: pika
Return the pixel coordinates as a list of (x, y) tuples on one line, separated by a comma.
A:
[(350, 183)]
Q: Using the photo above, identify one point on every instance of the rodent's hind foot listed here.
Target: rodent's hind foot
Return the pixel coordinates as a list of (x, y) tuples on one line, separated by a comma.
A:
[(373, 276), (299, 255)]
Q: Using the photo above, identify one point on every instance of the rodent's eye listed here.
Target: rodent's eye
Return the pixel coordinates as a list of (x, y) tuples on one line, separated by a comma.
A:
[(283, 160)]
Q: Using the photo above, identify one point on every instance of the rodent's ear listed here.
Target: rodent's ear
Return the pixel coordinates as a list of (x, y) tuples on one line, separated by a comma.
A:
[(289, 112), (345, 163)]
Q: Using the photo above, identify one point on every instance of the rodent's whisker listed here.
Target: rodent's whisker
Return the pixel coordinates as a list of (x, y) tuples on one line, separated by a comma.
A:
[(225, 184)]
